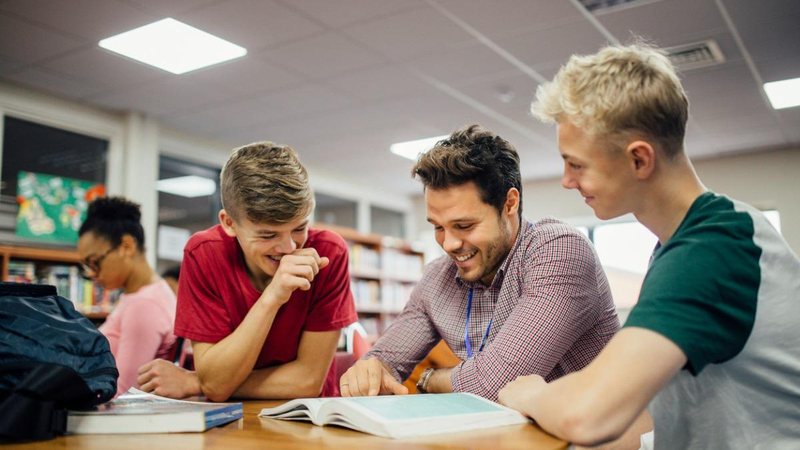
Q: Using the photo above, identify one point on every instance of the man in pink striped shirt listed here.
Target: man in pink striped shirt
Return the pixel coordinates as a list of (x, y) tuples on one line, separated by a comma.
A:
[(510, 297)]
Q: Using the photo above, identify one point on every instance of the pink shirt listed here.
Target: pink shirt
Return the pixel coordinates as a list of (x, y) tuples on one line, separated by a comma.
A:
[(140, 330)]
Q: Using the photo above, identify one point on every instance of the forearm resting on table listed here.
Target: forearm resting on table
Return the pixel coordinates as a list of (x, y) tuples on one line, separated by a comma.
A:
[(303, 377), (601, 402), (222, 367), (291, 380), (630, 440)]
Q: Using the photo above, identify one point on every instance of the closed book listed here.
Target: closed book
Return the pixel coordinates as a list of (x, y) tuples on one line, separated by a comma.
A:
[(140, 412), (400, 416)]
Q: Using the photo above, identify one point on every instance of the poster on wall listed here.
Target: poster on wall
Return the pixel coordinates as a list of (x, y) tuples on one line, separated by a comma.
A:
[(52, 208)]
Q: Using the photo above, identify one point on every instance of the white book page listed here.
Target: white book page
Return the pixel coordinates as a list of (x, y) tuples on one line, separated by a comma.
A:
[(298, 409)]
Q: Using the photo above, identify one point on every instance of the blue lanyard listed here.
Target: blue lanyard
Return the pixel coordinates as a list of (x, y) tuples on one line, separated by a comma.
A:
[(466, 328)]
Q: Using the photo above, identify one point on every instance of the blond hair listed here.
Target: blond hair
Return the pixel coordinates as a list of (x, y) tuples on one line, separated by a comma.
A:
[(620, 89), (266, 183)]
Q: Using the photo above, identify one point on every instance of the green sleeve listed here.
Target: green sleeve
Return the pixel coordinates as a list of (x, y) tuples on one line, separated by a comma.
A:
[(701, 293)]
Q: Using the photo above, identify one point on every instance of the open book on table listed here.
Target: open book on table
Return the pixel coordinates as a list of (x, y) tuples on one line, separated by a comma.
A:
[(139, 412), (400, 416)]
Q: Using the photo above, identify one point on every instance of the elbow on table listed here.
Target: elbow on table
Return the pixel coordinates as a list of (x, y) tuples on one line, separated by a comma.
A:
[(312, 387), (215, 392), (583, 428)]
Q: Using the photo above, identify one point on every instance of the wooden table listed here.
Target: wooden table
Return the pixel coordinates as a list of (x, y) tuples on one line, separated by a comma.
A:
[(254, 432)]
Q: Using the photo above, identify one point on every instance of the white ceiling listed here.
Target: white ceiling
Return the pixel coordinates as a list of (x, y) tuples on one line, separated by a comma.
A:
[(340, 80)]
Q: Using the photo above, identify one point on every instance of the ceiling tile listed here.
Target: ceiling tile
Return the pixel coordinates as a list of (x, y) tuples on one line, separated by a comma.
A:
[(9, 65), (104, 69), (409, 34), (169, 8), (248, 76), (253, 24), (774, 45), (323, 56), (89, 19), (510, 95), (536, 48), (666, 22), (343, 12), (47, 81), (330, 126), (498, 18), (381, 83), (27, 43), (438, 111), (224, 120), (789, 119), (164, 97), (368, 152), (720, 85), (462, 65), (761, 11)]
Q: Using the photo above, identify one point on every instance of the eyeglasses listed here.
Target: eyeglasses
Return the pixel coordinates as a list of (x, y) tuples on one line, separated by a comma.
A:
[(92, 264)]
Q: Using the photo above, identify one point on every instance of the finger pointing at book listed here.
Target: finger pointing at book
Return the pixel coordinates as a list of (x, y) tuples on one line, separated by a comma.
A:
[(369, 377)]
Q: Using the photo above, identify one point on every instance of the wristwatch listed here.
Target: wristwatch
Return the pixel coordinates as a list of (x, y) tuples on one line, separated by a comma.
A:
[(422, 384)]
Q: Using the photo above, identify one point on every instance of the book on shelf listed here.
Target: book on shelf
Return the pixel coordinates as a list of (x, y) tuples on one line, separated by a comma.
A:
[(139, 412), (21, 272), (400, 416), (87, 296)]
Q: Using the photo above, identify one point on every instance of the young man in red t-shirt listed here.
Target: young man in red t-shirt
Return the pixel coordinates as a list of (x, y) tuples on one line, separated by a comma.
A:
[(261, 296)]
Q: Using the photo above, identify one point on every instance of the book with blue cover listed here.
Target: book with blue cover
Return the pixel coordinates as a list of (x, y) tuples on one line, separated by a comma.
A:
[(400, 416), (139, 412)]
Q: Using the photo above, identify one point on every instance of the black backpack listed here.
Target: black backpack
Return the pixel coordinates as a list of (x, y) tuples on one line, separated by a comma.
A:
[(52, 359)]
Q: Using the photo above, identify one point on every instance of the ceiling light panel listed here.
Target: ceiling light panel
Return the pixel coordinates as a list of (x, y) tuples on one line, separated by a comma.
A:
[(173, 46), (783, 94), (412, 149), (189, 186)]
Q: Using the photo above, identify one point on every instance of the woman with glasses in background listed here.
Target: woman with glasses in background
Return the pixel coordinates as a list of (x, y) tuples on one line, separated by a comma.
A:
[(111, 248)]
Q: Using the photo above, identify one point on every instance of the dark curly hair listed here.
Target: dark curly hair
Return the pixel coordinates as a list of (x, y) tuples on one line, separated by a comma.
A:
[(472, 154), (112, 218)]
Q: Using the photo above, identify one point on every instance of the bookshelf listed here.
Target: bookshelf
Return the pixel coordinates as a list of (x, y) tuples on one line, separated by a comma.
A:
[(60, 268), (383, 271)]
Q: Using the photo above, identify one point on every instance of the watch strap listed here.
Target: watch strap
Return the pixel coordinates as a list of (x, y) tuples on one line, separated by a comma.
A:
[(422, 384)]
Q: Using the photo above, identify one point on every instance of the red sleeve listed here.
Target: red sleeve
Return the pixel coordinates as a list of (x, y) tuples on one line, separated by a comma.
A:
[(333, 307), (200, 314)]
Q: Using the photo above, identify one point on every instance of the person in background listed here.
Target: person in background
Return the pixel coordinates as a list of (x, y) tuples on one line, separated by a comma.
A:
[(713, 344), (262, 296), (171, 276), (111, 247), (510, 297)]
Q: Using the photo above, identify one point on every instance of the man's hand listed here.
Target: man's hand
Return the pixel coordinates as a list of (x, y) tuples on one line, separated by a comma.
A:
[(519, 393), (164, 378), (369, 377), (295, 271)]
